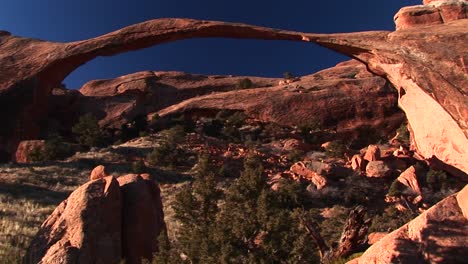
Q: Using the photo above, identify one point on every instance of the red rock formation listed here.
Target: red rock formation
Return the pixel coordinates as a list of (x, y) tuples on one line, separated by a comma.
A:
[(357, 163), (431, 75), (25, 147), (375, 237), (377, 169), (120, 100), (312, 171), (143, 218), (437, 12), (102, 222), (462, 199), (409, 178), (436, 236), (372, 153), (344, 97), (98, 172), (85, 228)]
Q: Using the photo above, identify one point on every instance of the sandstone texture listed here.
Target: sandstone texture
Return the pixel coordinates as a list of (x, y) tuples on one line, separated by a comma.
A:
[(415, 60), (436, 236), (410, 179), (462, 199), (343, 98), (25, 147), (85, 228), (104, 221), (433, 12), (372, 153), (377, 169), (143, 219), (120, 100), (98, 172)]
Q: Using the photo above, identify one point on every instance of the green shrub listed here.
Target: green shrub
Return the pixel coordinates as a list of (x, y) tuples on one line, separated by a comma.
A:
[(390, 220), (396, 189), (288, 76), (335, 149), (54, 149), (244, 83), (88, 132), (436, 179), (139, 167), (167, 152), (403, 133)]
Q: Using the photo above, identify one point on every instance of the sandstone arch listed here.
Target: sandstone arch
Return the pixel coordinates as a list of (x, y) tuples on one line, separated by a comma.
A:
[(431, 73)]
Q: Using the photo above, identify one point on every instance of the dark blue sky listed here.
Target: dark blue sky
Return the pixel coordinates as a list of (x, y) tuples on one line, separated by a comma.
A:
[(69, 20)]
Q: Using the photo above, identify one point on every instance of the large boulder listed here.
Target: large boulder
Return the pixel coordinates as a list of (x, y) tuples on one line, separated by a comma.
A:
[(26, 147), (143, 218), (85, 228), (436, 236), (377, 169), (410, 179)]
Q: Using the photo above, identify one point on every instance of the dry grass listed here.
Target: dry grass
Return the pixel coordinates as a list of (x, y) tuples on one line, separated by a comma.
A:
[(28, 194)]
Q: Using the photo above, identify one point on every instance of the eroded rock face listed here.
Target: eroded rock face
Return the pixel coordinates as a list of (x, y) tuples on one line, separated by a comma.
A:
[(103, 221), (433, 12), (436, 236), (120, 100), (26, 147), (85, 228), (343, 98), (143, 219), (432, 75)]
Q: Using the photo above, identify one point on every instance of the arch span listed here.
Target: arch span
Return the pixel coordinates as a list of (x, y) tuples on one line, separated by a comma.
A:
[(416, 59)]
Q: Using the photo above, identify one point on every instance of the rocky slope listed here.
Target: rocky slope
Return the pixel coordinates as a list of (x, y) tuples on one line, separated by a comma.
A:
[(431, 74), (436, 236)]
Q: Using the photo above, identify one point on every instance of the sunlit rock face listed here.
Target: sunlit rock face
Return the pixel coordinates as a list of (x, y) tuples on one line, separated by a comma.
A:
[(436, 236), (433, 12), (430, 77)]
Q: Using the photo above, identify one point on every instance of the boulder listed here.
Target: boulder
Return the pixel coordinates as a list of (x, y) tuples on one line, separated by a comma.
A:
[(410, 179), (98, 172), (85, 228), (143, 218), (377, 169), (438, 235), (25, 148), (372, 153), (462, 199), (312, 171), (357, 163)]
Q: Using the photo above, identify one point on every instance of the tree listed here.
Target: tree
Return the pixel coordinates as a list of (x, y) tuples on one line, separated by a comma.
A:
[(244, 83), (88, 132), (288, 76)]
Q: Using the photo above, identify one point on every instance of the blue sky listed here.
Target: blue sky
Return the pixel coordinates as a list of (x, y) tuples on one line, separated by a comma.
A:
[(66, 20)]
